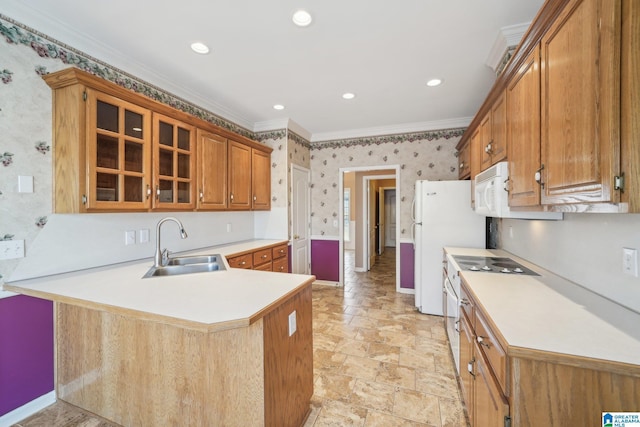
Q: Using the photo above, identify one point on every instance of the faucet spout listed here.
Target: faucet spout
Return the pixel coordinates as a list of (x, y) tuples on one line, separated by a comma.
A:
[(159, 258)]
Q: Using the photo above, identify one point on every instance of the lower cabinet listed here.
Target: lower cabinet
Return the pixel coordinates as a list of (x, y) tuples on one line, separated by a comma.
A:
[(266, 258)]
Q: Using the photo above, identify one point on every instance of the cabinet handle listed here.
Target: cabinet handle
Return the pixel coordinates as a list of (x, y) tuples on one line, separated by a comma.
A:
[(231, 197), (461, 165), (201, 195), (281, 268), (538, 176), (470, 367), (148, 191), (481, 341), (281, 251), (157, 192), (243, 262), (295, 236), (506, 185), (255, 198), (264, 256)]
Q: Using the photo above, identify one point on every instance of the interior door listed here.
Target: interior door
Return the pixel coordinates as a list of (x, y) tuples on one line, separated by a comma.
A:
[(300, 246), (372, 223), (390, 218), (381, 221)]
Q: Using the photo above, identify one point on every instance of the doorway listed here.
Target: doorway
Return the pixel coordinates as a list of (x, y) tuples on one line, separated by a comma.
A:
[(300, 220), (368, 212)]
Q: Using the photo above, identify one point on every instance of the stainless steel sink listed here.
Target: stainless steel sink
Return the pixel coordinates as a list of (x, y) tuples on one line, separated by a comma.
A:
[(198, 259), (187, 265)]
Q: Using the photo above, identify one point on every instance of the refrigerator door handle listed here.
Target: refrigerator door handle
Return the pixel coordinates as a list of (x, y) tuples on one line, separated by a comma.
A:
[(413, 210)]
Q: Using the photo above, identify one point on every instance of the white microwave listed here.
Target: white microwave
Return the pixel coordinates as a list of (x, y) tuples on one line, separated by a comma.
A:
[(492, 198)]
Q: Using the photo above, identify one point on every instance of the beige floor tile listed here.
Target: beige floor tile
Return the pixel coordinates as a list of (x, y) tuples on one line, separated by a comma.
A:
[(370, 335), (417, 359), (360, 367), (333, 386), (384, 352), (400, 376), (373, 395), (452, 413), (340, 414), (437, 383), (417, 406), (327, 359), (379, 419), (364, 322), (353, 347)]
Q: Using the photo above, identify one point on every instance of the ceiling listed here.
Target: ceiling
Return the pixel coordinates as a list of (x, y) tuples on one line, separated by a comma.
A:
[(382, 51)]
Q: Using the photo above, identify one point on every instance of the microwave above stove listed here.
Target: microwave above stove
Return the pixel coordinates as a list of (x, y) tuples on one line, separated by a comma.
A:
[(492, 197)]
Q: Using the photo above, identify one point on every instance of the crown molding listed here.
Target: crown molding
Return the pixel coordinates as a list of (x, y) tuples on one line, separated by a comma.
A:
[(508, 37), (393, 130)]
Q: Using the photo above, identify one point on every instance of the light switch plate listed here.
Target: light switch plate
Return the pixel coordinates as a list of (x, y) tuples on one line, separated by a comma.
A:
[(292, 323), (25, 184), (144, 235), (130, 237), (630, 261)]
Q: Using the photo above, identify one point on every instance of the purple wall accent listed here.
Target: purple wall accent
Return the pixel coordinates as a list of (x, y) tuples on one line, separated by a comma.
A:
[(325, 259), (26, 350), (406, 266)]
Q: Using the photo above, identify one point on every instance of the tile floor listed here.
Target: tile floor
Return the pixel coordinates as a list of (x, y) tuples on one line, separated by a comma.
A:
[(377, 361)]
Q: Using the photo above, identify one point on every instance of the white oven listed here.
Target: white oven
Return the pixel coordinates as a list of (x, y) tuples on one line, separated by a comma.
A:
[(451, 308)]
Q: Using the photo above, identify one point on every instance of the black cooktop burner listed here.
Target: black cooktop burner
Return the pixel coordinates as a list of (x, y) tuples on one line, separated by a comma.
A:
[(492, 265)]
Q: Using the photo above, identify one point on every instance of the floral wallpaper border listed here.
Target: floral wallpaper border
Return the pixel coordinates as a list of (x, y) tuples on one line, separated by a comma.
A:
[(386, 139), (46, 47), (270, 135)]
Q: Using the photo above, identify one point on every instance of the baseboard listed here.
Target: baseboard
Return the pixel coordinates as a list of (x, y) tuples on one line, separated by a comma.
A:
[(325, 283), (406, 291), (28, 409), (360, 269)]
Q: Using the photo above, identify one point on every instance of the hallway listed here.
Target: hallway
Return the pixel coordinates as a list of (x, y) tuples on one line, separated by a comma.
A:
[(377, 361)]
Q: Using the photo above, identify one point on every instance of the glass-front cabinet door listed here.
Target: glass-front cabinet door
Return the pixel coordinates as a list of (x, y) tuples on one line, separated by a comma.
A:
[(174, 163), (118, 153)]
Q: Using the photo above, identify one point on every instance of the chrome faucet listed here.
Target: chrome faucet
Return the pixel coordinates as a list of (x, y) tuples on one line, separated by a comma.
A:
[(162, 255)]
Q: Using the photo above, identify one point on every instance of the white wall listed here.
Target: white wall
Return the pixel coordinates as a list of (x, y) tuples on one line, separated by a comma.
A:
[(584, 248)]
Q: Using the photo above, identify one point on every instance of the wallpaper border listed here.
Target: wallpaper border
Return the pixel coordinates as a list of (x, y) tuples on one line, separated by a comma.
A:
[(388, 139)]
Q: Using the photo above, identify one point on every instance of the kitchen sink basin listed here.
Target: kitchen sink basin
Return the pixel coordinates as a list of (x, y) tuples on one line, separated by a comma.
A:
[(198, 259), (188, 265)]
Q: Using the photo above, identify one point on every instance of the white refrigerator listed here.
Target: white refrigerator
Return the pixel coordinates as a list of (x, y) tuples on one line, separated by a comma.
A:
[(442, 217)]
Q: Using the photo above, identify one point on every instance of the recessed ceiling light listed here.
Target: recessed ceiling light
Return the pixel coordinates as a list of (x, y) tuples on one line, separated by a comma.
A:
[(301, 18), (278, 107), (434, 82), (348, 95), (200, 48)]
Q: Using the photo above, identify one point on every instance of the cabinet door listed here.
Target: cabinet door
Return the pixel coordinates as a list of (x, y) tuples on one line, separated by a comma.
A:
[(580, 66), (523, 132), (498, 149), (485, 140), (118, 154), (174, 169), (464, 157), (475, 155), (212, 171), (467, 364), (491, 407), (239, 176), (261, 180)]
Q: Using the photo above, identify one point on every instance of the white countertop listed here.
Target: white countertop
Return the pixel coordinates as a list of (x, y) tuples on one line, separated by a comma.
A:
[(552, 314), (232, 297)]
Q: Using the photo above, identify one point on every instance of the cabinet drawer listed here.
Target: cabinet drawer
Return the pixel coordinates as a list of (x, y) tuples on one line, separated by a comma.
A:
[(281, 265), (264, 267), (489, 345), (242, 261), (279, 251), (261, 257), (466, 303)]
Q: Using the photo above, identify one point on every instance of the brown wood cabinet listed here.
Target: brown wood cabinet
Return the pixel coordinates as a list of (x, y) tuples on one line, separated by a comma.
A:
[(117, 150), (212, 171), (267, 258), (580, 93), (493, 135), (483, 369), (174, 153), (584, 119), (464, 162), (523, 132)]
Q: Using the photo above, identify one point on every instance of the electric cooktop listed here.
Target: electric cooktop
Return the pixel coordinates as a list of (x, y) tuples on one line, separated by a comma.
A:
[(492, 265)]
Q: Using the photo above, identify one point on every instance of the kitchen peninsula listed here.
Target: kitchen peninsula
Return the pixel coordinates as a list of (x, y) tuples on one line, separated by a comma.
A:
[(230, 347)]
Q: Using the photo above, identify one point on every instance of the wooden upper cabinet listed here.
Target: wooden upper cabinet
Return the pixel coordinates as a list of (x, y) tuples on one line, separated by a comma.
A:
[(260, 180), (211, 171), (580, 64), (523, 132), (239, 180), (493, 134), (174, 169), (464, 161), (475, 155)]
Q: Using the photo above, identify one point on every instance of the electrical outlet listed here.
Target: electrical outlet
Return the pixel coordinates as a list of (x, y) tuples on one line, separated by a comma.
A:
[(11, 249), (130, 237), (144, 235), (630, 261), (292, 323)]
